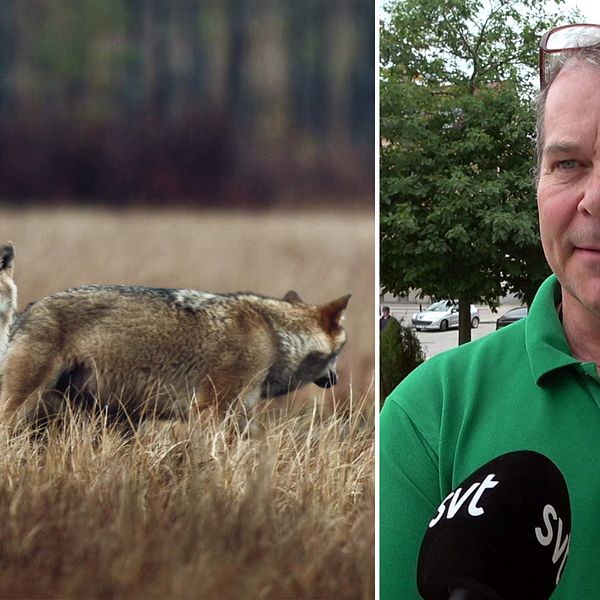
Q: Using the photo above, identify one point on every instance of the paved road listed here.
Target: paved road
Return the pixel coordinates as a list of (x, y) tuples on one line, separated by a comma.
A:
[(434, 342)]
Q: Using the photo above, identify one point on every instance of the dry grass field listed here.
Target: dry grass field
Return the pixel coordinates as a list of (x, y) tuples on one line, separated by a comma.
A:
[(194, 510)]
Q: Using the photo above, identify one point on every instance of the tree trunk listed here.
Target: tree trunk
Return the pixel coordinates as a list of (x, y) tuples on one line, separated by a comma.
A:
[(8, 47), (464, 321)]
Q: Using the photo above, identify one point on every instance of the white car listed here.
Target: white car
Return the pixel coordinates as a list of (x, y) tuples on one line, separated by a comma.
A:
[(441, 316)]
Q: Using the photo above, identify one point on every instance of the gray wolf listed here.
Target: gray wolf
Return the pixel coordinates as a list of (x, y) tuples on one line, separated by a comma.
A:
[(8, 296), (161, 352)]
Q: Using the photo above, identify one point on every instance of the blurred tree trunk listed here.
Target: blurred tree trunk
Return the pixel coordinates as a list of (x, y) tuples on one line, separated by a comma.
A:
[(237, 100), (362, 90), (7, 55), (308, 29), (157, 75), (187, 56), (464, 320), (132, 90), (237, 103)]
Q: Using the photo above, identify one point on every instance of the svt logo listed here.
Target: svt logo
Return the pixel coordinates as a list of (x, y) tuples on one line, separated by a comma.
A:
[(458, 498), (561, 545)]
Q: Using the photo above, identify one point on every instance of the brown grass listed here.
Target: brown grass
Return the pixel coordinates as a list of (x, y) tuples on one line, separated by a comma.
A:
[(195, 510)]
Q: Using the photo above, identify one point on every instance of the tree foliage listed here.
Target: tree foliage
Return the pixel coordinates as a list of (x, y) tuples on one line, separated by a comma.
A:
[(458, 211), (400, 352)]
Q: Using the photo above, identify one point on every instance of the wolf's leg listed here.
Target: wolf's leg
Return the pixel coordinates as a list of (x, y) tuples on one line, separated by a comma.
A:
[(250, 398), (31, 370)]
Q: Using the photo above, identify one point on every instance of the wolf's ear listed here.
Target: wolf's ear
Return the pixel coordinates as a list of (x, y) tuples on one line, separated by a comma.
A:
[(293, 297), (7, 256), (331, 313)]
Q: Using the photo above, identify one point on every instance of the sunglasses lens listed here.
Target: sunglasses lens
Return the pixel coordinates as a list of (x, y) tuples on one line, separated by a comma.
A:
[(577, 36)]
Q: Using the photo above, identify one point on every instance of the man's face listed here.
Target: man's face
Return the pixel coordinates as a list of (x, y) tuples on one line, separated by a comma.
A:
[(569, 185)]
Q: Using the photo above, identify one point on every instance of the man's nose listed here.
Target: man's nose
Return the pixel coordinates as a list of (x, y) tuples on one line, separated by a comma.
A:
[(590, 203)]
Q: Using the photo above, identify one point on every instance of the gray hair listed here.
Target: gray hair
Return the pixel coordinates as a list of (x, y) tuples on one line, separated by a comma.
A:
[(556, 63)]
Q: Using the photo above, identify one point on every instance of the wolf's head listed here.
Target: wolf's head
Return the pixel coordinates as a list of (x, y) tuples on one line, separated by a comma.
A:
[(8, 289), (8, 292), (311, 339), (7, 259)]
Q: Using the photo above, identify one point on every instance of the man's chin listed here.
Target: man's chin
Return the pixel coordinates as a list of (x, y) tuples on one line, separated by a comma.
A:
[(583, 295)]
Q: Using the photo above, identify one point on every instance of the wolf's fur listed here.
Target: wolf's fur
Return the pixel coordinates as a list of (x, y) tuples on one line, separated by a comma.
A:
[(151, 350)]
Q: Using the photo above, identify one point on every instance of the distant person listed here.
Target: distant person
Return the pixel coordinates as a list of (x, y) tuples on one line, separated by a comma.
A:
[(385, 318), (532, 386)]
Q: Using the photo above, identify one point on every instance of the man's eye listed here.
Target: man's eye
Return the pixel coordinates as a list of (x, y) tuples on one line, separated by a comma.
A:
[(566, 165)]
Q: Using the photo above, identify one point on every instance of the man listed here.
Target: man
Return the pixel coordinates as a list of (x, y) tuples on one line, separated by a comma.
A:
[(533, 385), (385, 318)]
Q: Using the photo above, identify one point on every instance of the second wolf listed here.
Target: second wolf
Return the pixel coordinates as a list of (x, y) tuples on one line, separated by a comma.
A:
[(8, 297), (158, 351)]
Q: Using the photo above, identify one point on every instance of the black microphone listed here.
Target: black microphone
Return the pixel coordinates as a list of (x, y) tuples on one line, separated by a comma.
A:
[(502, 534)]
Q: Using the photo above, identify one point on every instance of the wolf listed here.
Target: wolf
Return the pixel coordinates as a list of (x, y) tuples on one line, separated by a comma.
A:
[(143, 351), (8, 296)]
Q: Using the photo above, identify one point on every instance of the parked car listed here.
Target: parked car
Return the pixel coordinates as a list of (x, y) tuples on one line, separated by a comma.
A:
[(514, 314), (441, 316)]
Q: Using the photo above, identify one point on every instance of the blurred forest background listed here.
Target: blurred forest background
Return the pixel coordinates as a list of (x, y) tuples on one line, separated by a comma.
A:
[(248, 103)]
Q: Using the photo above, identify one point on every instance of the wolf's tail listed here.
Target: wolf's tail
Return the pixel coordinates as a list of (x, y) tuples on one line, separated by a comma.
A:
[(8, 296)]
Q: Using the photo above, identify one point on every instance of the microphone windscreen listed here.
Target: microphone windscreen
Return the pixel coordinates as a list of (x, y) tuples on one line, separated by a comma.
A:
[(504, 532)]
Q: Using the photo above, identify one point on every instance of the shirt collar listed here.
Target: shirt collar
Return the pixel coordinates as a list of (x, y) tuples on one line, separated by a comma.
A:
[(545, 339)]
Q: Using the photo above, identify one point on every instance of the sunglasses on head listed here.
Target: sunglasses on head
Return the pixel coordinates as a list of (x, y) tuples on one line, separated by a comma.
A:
[(565, 38)]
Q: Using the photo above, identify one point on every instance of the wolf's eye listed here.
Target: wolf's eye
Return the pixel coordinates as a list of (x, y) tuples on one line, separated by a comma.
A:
[(316, 360)]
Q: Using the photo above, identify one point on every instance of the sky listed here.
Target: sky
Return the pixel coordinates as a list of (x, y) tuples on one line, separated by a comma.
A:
[(589, 8)]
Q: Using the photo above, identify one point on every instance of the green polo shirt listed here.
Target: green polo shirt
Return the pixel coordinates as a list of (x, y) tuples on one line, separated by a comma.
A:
[(518, 388)]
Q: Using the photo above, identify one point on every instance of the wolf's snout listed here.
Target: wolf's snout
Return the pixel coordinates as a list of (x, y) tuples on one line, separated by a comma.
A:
[(328, 380)]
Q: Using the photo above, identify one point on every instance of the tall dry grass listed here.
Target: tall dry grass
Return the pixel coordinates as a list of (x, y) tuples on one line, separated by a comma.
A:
[(193, 512), (196, 510)]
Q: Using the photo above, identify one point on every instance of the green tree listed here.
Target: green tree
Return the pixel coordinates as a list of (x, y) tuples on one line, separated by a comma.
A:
[(458, 211), (399, 353)]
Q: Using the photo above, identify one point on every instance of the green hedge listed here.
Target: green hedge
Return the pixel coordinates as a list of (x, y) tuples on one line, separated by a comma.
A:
[(400, 352)]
